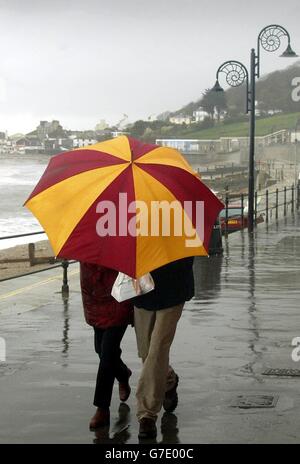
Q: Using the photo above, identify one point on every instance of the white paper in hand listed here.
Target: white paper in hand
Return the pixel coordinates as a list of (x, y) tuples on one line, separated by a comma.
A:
[(126, 287)]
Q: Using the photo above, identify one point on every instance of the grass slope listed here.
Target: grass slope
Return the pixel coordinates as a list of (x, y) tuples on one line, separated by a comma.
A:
[(264, 126)]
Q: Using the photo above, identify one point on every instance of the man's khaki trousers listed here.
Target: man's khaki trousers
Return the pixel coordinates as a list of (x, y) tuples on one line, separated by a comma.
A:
[(155, 332)]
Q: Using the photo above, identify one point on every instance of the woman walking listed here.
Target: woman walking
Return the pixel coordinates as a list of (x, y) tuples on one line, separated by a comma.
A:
[(109, 320)]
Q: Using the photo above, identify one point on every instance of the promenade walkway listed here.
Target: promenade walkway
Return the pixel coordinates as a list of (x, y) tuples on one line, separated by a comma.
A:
[(241, 322)]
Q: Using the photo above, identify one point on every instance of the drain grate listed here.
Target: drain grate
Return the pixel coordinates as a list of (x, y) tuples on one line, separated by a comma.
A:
[(255, 401), (282, 372)]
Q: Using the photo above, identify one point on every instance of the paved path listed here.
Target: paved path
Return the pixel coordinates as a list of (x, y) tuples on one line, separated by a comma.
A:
[(242, 321)]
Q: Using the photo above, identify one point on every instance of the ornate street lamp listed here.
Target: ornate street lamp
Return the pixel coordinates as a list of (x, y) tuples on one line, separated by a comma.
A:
[(236, 74), (269, 39)]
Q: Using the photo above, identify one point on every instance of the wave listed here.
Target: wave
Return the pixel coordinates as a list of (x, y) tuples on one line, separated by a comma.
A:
[(14, 219)]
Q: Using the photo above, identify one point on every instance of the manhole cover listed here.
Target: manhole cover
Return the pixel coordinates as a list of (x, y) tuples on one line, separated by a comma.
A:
[(283, 372), (255, 401)]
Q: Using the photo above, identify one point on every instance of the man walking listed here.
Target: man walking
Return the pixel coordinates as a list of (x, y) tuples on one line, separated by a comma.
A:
[(155, 317)]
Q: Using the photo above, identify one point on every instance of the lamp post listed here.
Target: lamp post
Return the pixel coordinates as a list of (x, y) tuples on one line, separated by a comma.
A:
[(296, 157), (296, 161), (269, 39)]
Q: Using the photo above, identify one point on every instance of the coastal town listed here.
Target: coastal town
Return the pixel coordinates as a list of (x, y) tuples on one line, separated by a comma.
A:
[(51, 137), (149, 225)]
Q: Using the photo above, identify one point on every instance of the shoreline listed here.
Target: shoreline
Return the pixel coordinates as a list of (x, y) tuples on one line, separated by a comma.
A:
[(17, 155), (11, 267)]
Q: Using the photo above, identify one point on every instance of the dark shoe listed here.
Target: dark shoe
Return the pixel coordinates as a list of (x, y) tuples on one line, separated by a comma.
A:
[(100, 419), (147, 428), (169, 429), (124, 388), (171, 398), (123, 419)]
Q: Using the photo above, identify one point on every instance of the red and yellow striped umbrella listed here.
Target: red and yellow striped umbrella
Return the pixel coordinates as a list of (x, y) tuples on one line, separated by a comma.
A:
[(118, 186)]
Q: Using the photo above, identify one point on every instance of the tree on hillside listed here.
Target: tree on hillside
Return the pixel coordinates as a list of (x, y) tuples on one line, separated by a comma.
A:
[(236, 100), (273, 92), (143, 128), (138, 128), (212, 102)]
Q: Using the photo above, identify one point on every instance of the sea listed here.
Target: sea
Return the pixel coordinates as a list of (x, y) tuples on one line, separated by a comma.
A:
[(18, 176)]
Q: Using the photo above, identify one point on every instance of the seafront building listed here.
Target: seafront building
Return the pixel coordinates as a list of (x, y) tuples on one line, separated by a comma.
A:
[(50, 138)]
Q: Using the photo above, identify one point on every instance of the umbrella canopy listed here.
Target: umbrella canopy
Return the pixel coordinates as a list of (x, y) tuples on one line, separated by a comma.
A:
[(113, 203)]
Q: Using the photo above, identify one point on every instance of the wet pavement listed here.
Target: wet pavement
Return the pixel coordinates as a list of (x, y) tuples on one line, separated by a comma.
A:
[(241, 322)]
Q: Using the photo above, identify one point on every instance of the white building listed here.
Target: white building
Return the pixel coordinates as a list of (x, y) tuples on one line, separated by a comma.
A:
[(180, 119), (118, 133), (80, 142), (189, 145), (200, 114)]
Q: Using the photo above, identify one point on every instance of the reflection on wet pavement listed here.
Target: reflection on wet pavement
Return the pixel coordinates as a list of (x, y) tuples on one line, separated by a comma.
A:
[(241, 321), (120, 430), (65, 338), (207, 273)]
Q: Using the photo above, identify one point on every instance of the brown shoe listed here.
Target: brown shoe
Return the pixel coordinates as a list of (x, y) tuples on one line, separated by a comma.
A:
[(100, 419), (147, 428), (171, 398), (124, 388)]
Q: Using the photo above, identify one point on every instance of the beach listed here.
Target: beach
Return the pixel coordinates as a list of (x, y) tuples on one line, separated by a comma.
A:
[(12, 259)]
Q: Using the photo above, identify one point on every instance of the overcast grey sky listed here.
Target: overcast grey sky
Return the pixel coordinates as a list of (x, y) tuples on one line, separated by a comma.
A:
[(83, 60)]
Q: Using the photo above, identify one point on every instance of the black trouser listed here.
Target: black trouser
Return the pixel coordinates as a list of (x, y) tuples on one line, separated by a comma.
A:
[(111, 366)]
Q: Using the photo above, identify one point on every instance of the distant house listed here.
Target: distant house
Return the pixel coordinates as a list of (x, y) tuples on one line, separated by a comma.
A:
[(103, 134), (200, 114), (28, 145), (55, 145), (180, 119), (51, 146), (117, 133), (190, 145), (52, 136), (78, 142), (65, 143), (273, 112)]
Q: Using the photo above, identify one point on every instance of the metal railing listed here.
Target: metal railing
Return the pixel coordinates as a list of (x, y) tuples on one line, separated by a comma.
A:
[(272, 201), (266, 204)]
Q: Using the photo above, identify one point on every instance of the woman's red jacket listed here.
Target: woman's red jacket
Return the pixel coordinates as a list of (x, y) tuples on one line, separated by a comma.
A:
[(101, 310)]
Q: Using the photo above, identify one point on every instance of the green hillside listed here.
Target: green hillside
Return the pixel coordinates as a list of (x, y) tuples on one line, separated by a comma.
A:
[(264, 126), (273, 94)]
